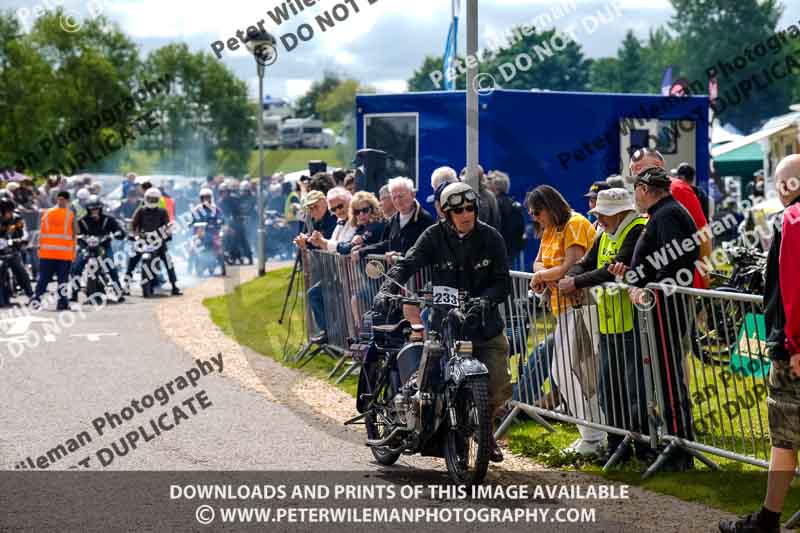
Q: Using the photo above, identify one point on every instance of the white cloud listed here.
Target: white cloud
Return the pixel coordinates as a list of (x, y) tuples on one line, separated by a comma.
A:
[(297, 88), (390, 86)]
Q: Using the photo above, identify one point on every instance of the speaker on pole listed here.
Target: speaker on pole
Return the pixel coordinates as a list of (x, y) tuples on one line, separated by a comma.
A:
[(370, 167)]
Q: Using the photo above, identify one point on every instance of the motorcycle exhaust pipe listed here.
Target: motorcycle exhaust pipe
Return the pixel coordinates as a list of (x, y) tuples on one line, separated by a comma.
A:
[(383, 441)]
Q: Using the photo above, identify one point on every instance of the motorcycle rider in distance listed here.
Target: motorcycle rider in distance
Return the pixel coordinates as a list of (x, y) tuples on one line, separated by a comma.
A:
[(97, 224), (466, 254), (12, 228), (207, 212), (249, 209), (151, 225)]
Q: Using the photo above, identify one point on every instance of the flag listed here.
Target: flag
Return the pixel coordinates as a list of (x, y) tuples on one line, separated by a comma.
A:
[(451, 47), (666, 82)]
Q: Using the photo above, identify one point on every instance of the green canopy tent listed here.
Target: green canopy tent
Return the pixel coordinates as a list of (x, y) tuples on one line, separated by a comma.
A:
[(742, 162)]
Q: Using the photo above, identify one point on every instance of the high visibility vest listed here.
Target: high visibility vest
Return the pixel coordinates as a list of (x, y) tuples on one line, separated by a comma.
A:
[(169, 205), (614, 307), (56, 237), (289, 212)]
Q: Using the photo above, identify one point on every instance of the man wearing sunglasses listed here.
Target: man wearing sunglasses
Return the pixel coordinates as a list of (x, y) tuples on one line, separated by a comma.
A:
[(470, 255)]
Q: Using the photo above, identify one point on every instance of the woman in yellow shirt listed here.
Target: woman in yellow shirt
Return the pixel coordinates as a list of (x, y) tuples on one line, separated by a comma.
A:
[(565, 237)]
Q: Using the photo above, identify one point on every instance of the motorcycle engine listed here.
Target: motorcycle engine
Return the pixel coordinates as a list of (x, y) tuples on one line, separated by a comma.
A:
[(406, 404)]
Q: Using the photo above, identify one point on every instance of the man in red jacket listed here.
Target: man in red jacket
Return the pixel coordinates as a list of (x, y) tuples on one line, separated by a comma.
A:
[(644, 159), (782, 321)]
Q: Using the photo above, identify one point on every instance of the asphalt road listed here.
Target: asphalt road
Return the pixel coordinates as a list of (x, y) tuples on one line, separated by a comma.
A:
[(96, 362)]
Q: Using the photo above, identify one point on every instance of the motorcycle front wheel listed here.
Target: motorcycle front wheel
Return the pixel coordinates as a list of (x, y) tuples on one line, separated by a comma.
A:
[(467, 446)]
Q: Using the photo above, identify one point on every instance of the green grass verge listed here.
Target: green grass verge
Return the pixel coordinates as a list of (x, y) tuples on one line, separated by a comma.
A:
[(250, 315), (291, 160)]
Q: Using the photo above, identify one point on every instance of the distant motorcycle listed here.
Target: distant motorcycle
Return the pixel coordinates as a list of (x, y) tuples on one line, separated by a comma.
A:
[(426, 397), (150, 268), (717, 328), (7, 281), (98, 276), (205, 250)]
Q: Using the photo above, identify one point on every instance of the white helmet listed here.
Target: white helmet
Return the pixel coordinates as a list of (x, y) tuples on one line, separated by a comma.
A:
[(244, 186), (83, 194), (152, 197), (457, 194), (12, 186), (222, 187)]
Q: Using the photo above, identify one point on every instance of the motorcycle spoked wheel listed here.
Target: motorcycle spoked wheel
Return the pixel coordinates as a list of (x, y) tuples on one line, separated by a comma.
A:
[(467, 446)]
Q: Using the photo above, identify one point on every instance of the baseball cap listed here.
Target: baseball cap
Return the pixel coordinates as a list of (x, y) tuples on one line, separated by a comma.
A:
[(684, 170), (311, 198), (654, 176), (596, 187), (437, 193)]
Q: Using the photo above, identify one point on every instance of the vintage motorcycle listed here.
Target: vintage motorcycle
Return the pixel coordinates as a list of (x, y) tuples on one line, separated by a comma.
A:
[(715, 335), (426, 397), (205, 250), (98, 277), (8, 287)]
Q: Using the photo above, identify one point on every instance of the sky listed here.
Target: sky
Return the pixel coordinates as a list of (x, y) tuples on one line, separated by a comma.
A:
[(379, 43)]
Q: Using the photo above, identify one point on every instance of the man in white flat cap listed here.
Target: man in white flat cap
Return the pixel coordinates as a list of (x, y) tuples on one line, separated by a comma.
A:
[(621, 375)]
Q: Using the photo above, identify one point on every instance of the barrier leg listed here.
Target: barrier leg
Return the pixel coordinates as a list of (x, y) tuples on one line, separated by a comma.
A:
[(623, 446), (510, 417), (353, 366), (794, 521), (703, 458), (302, 353), (336, 368), (311, 356), (530, 411), (659, 461)]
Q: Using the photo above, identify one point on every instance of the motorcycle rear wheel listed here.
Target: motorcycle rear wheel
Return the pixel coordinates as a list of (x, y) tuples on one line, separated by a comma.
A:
[(467, 446)]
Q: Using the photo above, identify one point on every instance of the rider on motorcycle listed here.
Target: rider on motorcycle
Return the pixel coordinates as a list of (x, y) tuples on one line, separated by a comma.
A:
[(12, 228), (97, 224), (209, 214), (151, 224), (468, 255), (248, 205)]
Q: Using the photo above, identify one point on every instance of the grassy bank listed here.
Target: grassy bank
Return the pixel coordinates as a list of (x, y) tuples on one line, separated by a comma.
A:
[(291, 160), (250, 316)]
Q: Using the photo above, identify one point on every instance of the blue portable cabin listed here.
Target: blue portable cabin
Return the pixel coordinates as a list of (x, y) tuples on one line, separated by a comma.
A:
[(564, 139)]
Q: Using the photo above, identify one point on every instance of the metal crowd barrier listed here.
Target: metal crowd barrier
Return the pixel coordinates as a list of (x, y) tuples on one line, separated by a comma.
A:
[(687, 370)]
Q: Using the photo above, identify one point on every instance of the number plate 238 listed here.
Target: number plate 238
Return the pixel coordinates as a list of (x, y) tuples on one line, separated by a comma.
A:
[(443, 295)]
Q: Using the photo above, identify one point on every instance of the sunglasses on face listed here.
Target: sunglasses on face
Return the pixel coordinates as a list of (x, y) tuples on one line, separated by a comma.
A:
[(467, 208), (534, 212), (337, 207), (363, 211)]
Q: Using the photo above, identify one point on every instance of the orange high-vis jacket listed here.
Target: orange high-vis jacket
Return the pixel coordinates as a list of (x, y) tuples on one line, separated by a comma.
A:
[(56, 235), (169, 205)]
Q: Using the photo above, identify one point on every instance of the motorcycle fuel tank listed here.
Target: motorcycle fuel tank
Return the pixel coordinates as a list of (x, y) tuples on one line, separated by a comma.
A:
[(408, 360)]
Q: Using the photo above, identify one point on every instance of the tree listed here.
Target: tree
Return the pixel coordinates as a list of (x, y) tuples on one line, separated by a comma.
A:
[(604, 75), (717, 31), (631, 62), (423, 77), (54, 80), (542, 60), (341, 101), (306, 105), (207, 123)]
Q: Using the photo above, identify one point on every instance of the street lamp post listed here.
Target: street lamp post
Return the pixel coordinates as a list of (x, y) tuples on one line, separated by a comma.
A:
[(262, 46)]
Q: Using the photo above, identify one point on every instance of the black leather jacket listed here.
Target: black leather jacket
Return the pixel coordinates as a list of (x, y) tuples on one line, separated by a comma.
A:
[(476, 263)]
